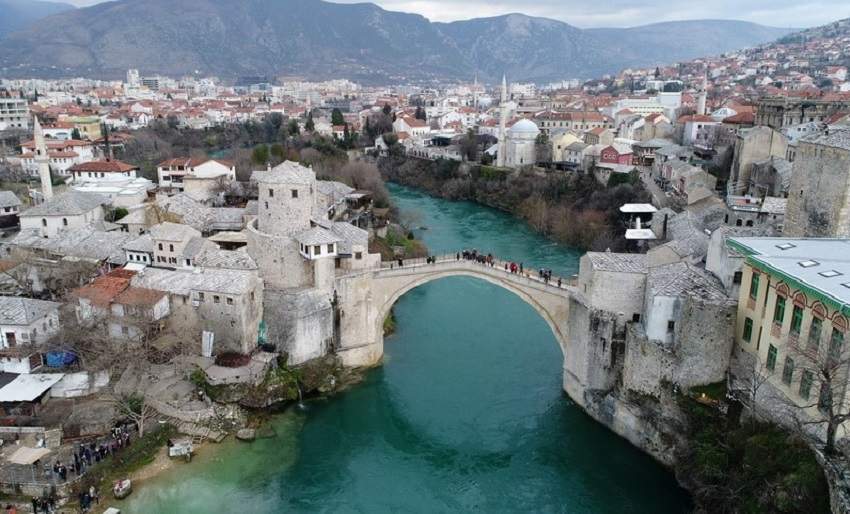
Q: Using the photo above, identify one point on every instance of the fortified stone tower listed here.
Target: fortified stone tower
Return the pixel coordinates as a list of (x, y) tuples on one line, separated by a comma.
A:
[(287, 197)]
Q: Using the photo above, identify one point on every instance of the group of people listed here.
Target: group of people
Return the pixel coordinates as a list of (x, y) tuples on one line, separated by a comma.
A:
[(43, 504), (546, 276), (92, 453), (88, 497), (474, 255)]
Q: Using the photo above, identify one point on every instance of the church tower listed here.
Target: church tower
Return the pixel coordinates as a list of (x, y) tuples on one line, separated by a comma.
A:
[(503, 146), (42, 159)]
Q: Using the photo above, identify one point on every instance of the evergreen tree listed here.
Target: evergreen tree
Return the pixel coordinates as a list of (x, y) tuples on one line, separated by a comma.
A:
[(260, 155), (293, 129), (337, 118), (310, 125)]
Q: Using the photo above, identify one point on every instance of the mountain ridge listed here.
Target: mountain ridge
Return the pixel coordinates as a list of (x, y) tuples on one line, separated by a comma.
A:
[(18, 14), (318, 39)]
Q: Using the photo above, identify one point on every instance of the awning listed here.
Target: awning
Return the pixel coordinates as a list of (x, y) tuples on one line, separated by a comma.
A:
[(25, 455), (28, 387)]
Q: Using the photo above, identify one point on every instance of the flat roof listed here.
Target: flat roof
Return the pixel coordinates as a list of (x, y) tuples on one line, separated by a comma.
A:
[(638, 207), (639, 233), (820, 267), (28, 387)]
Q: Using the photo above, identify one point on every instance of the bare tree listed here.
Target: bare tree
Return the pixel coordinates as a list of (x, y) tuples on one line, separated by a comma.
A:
[(823, 376)]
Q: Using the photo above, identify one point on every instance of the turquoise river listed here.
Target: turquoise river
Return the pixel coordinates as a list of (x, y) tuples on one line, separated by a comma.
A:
[(466, 414)]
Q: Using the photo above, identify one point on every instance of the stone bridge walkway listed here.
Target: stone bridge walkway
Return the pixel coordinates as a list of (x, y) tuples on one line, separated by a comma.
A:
[(498, 269)]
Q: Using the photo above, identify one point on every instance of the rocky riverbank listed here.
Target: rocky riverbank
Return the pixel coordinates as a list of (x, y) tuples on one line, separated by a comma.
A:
[(569, 208)]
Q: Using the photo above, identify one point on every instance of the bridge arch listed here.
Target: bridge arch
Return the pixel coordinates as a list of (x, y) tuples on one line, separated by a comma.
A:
[(549, 301)]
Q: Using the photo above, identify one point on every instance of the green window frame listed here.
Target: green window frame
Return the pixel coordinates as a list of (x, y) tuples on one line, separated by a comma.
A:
[(771, 358), (754, 286), (815, 331), (806, 380), (797, 320), (788, 371), (779, 310), (748, 330)]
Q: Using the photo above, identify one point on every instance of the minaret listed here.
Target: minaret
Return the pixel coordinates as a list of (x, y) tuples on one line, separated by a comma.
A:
[(503, 144), (701, 97), (42, 158)]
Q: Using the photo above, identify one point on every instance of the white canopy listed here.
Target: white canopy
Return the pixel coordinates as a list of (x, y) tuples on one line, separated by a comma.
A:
[(27, 455), (28, 387)]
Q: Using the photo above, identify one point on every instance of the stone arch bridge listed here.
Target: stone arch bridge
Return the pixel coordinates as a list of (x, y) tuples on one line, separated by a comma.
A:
[(366, 297)]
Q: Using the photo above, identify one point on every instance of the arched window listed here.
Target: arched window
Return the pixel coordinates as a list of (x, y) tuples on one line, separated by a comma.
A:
[(800, 300), (64, 222), (749, 223), (839, 322), (783, 290)]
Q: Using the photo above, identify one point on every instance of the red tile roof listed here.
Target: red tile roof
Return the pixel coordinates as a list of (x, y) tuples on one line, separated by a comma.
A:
[(103, 167), (139, 296), (742, 118)]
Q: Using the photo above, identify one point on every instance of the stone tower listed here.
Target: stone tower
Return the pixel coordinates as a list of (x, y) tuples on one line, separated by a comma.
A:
[(819, 193), (287, 197), (503, 146), (42, 159)]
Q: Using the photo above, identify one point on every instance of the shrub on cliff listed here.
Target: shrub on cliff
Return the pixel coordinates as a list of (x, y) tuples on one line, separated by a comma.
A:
[(749, 468)]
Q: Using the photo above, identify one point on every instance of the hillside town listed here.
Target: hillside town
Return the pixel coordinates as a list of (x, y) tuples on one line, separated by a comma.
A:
[(133, 290)]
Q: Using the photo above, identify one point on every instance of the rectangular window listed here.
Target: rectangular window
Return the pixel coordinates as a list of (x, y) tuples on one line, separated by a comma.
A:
[(814, 335), (670, 326), (160, 246), (358, 255), (200, 297), (216, 299), (754, 286), (330, 248), (271, 193), (229, 301), (736, 278), (294, 193), (796, 320), (317, 250), (806, 384), (748, 330), (779, 310), (788, 371), (771, 358)]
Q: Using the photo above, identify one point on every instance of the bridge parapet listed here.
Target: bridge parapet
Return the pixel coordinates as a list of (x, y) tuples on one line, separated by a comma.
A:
[(498, 269)]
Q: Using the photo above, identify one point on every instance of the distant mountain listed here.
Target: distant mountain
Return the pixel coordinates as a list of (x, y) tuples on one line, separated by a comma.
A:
[(674, 41), (318, 39), (18, 14)]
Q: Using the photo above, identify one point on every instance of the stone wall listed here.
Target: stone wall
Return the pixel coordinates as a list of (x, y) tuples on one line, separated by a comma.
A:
[(300, 323), (818, 203), (280, 264)]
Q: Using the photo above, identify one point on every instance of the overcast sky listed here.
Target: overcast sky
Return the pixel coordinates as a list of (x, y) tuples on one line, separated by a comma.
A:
[(624, 13)]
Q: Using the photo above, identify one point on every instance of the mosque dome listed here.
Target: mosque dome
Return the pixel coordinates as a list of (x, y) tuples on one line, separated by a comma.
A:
[(524, 128)]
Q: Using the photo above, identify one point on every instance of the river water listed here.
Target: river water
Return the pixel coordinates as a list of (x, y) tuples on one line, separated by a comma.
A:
[(467, 413)]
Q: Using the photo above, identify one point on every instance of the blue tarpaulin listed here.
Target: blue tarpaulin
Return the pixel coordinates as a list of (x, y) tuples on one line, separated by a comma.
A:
[(59, 359)]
